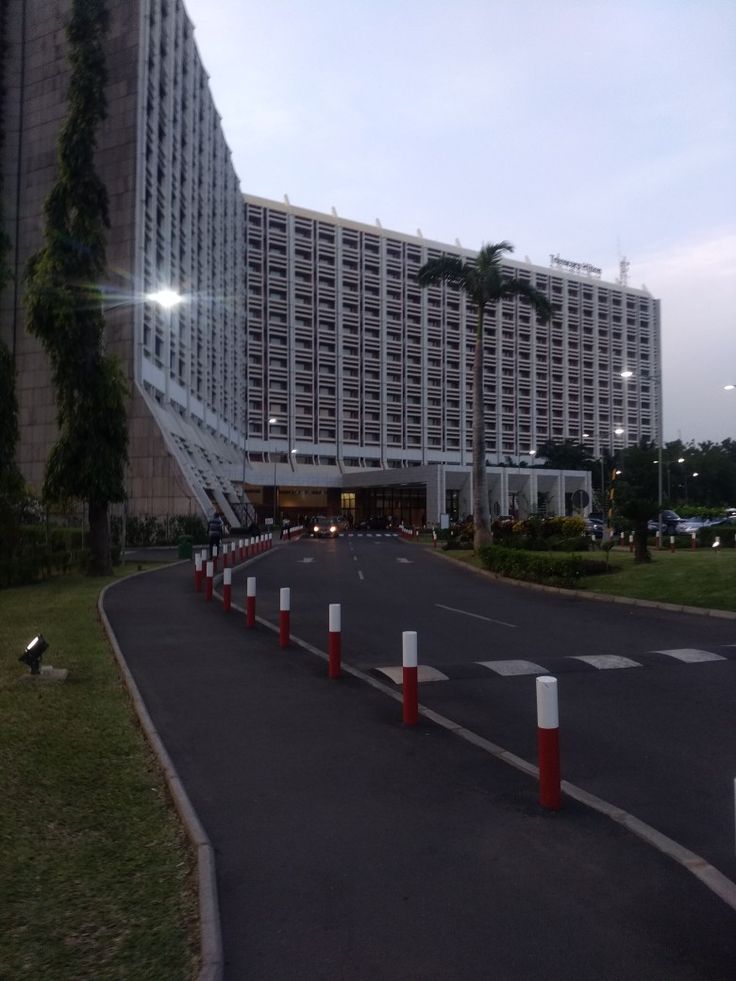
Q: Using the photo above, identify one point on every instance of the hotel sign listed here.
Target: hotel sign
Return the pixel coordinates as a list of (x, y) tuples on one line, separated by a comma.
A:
[(583, 267)]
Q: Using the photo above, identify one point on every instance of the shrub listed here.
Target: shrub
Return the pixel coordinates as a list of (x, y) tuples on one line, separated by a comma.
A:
[(547, 568)]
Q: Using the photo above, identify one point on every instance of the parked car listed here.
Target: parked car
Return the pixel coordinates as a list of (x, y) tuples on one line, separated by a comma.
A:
[(323, 527), (688, 525), (594, 526), (670, 523)]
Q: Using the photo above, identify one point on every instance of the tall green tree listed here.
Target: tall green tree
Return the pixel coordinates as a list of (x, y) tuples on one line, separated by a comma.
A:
[(485, 283), (64, 302), (636, 492)]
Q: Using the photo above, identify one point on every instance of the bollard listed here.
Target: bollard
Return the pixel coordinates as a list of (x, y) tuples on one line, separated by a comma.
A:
[(198, 573), (716, 546), (672, 543), (334, 642), (548, 743), (658, 539), (214, 558), (250, 602), (241, 546), (623, 539), (225, 557), (270, 539), (693, 540), (208, 581), (410, 677), (631, 541), (284, 615), (434, 538), (227, 589)]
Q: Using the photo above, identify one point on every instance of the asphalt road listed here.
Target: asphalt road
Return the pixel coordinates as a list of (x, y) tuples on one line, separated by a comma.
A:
[(655, 737)]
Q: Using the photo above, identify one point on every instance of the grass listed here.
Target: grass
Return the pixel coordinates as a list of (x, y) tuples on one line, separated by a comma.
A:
[(685, 577), (98, 879)]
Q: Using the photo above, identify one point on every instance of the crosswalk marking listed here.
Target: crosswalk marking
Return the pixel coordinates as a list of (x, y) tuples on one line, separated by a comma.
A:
[(605, 661), (424, 673), (518, 667), (509, 668), (691, 655)]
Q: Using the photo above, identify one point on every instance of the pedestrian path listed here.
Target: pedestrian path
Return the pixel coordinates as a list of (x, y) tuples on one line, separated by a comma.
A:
[(561, 665)]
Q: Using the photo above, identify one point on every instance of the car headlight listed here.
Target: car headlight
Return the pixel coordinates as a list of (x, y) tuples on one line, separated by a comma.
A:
[(333, 529)]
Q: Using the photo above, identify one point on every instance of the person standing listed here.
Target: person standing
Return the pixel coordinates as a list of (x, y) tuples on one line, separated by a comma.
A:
[(214, 530)]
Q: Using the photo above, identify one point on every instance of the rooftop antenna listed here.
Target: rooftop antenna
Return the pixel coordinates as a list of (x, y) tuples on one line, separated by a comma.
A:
[(419, 233), (623, 267), (457, 243), (378, 223), (286, 199), (334, 211)]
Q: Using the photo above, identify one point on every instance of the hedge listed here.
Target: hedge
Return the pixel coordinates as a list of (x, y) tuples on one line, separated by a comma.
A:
[(549, 568)]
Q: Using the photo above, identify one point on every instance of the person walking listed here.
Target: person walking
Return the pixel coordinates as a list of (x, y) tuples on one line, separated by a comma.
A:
[(215, 529)]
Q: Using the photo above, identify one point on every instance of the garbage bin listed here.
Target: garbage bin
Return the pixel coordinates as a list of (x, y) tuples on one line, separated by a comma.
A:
[(185, 547)]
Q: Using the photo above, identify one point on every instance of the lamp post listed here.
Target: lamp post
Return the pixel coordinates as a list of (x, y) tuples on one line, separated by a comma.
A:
[(272, 422)]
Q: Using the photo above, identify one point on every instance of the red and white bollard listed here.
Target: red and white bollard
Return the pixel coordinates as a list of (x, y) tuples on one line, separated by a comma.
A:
[(693, 540), (208, 581), (227, 589), (214, 558), (225, 556), (241, 546), (198, 573), (334, 642), (284, 616), (672, 543), (658, 538), (250, 602), (548, 743), (631, 541), (434, 538), (410, 677), (623, 539)]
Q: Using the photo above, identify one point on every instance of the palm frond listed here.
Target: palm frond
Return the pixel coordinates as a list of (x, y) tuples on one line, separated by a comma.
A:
[(539, 302), (448, 269)]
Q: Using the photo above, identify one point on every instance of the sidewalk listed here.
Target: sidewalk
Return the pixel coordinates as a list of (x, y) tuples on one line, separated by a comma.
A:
[(349, 847)]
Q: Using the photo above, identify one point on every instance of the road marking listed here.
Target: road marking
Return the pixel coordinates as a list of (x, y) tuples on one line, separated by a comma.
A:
[(691, 655), (355, 558), (424, 673), (510, 668), (360, 574), (714, 880), (405, 561), (305, 560), (466, 613), (605, 661)]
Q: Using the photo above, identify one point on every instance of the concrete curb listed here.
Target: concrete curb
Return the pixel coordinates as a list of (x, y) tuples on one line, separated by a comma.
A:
[(211, 953), (584, 594)]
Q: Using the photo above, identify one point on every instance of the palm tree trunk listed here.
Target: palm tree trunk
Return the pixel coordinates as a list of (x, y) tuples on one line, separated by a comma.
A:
[(481, 515), (100, 557)]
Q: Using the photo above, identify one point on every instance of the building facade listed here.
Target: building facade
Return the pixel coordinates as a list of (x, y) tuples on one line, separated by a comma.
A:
[(176, 223), (303, 355)]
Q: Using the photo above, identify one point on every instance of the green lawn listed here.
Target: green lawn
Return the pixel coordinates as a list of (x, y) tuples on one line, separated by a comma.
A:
[(685, 577), (97, 879)]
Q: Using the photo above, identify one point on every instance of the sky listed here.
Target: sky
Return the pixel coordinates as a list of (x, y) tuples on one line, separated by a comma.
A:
[(595, 130)]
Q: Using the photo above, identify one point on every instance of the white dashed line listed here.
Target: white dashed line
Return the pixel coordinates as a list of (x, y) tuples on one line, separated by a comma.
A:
[(477, 616)]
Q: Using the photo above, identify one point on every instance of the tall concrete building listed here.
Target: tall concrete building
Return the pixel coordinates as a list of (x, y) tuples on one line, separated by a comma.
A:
[(304, 355), (176, 223)]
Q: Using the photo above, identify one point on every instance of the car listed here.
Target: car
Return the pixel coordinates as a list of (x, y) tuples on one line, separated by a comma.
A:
[(594, 526), (688, 525), (323, 527), (670, 523)]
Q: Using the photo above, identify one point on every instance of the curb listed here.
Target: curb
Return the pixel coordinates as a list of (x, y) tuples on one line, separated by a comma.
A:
[(211, 954), (583, 594)]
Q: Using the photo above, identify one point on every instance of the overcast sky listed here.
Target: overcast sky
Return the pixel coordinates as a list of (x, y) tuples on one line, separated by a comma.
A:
[(595, 130)]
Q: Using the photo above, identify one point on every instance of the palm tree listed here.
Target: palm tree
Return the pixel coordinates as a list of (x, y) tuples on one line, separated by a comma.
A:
[(483, 281)]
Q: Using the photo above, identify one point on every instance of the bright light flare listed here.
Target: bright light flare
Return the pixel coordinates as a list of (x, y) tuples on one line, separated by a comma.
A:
[(168, 299)]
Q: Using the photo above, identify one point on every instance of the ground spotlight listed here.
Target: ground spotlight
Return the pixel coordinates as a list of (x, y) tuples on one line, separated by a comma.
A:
[(33, 653)]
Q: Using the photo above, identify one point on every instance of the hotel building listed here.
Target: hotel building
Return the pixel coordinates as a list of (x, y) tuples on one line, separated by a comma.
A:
[(304, 356)]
